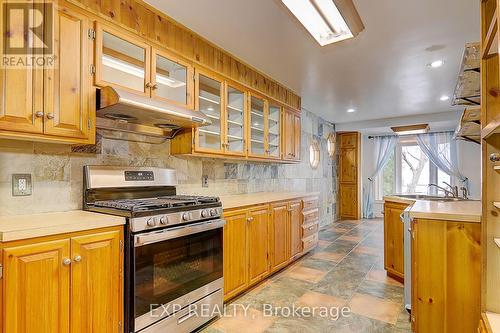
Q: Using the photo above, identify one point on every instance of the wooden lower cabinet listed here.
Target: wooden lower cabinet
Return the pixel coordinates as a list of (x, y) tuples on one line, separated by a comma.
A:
[(393, 239), (71, 283), (348, 195), (258, 244), (280, 236), (295, 209), (446, 270)]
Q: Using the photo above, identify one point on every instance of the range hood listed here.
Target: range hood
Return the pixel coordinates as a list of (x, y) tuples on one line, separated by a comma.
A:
[(124, 115)]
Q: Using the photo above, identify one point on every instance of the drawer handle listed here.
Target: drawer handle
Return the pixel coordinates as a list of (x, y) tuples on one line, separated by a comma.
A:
[(186, 317)]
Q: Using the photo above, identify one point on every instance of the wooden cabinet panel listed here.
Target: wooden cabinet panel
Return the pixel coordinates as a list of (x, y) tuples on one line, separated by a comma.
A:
[(279, 232), (348, 195), (36, 288), (295, 228), (349, 140), (291, 136), (97, 283), (393, 239), (348, 165), (235, 253), (258, 244), (67, 85), (446, 264)]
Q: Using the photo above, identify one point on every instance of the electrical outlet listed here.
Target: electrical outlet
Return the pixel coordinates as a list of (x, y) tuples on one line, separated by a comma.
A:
[(204, 181), (21, 184)]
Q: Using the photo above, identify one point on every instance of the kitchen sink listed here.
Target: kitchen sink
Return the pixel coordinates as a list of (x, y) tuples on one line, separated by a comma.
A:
[(429, 197)]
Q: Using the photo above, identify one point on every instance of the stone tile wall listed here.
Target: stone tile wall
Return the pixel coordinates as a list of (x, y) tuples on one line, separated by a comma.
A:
[(58, 173)]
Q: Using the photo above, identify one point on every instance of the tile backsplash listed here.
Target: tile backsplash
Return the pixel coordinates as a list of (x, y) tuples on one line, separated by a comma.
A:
[(58, 172)]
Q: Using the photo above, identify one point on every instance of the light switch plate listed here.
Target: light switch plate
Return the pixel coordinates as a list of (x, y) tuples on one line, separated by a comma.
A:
[(21, 184)]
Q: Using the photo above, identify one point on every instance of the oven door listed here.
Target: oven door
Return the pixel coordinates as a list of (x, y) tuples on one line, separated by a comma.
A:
[(175, 267)]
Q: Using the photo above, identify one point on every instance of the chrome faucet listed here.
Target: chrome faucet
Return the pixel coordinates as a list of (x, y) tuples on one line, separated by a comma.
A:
[(454, 189), (447, 193)]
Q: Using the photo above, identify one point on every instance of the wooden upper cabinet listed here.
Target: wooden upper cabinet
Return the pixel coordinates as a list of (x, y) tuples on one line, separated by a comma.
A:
[(210, 100), (97, 282), (274, 129), (122, 60), (235, 253), (171, 79), (280, 233), (235, 125), (258, 235), (291, 135), (295, 209), (36, 288), (258, 126), (67, 85), (349, 140)]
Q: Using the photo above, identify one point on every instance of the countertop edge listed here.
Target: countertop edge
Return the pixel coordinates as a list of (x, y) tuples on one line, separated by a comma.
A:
[(277, 197)]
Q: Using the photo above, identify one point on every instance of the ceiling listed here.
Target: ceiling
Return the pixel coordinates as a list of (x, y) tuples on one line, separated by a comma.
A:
[(381, 73)]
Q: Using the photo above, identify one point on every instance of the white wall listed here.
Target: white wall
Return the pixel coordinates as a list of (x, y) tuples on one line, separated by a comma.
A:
[(469, 155)]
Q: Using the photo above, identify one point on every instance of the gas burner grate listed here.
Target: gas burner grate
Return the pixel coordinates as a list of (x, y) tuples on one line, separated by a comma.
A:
[(145, 204)]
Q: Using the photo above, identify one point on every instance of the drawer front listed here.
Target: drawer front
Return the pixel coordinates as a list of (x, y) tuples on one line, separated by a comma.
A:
[(310, 229), (309, 242), (311, 216), (311, 203)]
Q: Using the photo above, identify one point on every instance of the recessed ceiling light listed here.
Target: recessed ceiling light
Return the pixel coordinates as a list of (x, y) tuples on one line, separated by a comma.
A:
[(351, 110), (437, 63), (445, 98), (324, 20)]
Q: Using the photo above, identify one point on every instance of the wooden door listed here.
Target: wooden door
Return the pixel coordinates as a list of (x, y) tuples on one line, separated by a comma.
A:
[(258, 247), (235, 253), (67, 85), (36, 288), (280, 232), (393, 239), (348, 195), (97, 283), (295, 209), (348, 165), (122, 60), (21, 89)]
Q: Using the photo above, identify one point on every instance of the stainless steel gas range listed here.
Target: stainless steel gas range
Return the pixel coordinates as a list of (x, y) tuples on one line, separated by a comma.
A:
[(173, 277)]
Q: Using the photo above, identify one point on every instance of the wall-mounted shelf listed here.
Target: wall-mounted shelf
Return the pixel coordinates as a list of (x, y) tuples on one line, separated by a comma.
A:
[(496, 168), (493, 127)]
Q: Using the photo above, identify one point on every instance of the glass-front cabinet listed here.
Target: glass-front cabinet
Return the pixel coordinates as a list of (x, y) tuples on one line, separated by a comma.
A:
[(122, 61), (274, 131), (171, 79), (235, 125), (209, 100), (257, 124)]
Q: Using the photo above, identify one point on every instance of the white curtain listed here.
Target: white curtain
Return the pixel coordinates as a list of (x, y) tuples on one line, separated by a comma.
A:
[(434, 147), (384, 149)]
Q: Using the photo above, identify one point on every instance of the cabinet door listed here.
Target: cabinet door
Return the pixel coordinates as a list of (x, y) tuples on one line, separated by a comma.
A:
[(36, 288), (258, 127), (297, 136), (21, 89), (393, 240), (348, 140), (209, 100), (122, 61), (279, 232), (235, 253), (348, 165), (274, 131), (171, 79), (235, 121), (258, 247), (348, 201), (67, 84), (289, 135), (97, 283), (295, 208)]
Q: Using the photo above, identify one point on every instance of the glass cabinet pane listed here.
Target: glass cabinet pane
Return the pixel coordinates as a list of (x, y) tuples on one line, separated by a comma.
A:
[(170, 80), (274, 125), (257, 145), (235, 120), (209, 100), (123, 63)]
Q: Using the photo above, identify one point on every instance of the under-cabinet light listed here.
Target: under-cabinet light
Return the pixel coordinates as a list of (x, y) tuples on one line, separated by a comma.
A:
[(411, 129)]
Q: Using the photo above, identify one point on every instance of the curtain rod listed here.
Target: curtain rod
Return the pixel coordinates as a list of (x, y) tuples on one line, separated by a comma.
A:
[(387, 135)]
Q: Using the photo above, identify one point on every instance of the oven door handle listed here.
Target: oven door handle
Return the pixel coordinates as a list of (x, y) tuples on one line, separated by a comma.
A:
[(158, 236)]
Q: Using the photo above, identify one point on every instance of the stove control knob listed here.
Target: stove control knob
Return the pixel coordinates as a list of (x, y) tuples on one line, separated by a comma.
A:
[(204, 213), (185, 216), (213, 212), (163, 220), (151, 222)]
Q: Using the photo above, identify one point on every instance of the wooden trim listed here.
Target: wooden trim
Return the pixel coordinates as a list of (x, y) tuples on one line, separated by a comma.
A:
[(491, 34)]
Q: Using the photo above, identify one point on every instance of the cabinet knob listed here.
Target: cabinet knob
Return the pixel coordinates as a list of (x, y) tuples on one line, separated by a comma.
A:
[(495, 157), (77, 258), (67, 262), (39, 114), (149, 85), (50, 115), (250, 219), (155, 86)]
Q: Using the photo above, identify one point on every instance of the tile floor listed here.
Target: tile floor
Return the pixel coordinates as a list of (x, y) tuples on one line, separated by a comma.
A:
[(345, 272)]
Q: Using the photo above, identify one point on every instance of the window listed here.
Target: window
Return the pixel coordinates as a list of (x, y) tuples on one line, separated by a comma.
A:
[(410, 171), (314, 154)]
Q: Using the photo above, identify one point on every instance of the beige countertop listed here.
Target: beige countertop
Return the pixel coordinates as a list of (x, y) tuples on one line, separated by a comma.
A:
[(243, 200), (19, 227), (493, 321), (464, 211)]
